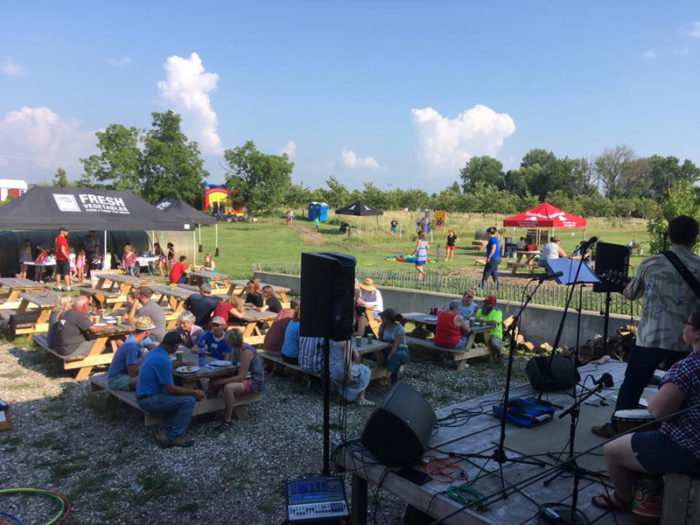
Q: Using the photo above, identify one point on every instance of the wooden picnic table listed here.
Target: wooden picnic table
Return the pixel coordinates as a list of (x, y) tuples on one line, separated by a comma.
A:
[(14, 286), (253, 318), (218, 281), (44, 303), (117, 282), (191, 379), (237, 286), (375, 349), (173, 296), (529, 262), (40, 269)]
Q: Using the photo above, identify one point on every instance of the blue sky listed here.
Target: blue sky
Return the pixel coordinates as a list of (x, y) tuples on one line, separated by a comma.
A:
[(398, 93)]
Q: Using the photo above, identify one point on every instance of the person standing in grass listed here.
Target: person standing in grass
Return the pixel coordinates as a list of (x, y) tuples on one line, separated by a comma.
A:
[(450, 245), (493, 258), (421, 253)]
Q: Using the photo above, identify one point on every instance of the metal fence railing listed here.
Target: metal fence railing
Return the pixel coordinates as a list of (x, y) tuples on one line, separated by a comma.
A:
[(546, 295)]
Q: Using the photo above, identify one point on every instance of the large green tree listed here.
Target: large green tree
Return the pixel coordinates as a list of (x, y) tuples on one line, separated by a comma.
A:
[(172, 165), (118, 165), (262, 179), (482, 170), (60, 179), (610, 168)]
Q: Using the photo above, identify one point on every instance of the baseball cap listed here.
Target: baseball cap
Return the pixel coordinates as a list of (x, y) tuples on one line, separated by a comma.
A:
[(389, 314), (171, 339), (218, 320), (490, 299)]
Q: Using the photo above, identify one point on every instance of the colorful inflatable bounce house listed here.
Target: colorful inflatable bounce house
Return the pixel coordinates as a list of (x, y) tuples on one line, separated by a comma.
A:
[(216, 199)]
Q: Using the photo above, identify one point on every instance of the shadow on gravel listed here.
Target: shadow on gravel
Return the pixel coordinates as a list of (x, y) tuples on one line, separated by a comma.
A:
[(40, 361)]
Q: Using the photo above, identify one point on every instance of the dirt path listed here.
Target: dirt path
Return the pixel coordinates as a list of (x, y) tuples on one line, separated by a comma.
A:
[(307, 236)]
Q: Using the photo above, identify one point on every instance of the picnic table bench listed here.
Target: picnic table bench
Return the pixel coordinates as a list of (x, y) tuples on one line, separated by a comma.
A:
[(218, 281), (101, 352), (172, 296), (530, 261), (119, 283), (32, 316), (12, 287), (204, 406), (237, 286), (365, 349), (423, 327)]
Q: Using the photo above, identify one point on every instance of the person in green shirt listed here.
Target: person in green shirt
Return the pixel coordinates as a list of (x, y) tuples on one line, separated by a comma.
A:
[(317, 223), (494, 317)]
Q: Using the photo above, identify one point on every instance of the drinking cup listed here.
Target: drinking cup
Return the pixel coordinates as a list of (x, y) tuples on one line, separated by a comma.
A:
[(358, 340), (370, 337), (179, 355)]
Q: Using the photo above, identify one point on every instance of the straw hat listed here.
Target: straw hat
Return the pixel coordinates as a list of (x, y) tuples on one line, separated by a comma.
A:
[(143, 323), (368, 284)]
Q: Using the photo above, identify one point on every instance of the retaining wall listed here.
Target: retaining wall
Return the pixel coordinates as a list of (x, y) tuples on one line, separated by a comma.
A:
[(539, 323)]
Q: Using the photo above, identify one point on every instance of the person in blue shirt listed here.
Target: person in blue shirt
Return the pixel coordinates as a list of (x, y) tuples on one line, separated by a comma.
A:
[(467, 306), (290, 346), (156, 392), (214, 341), (493, 257), (124, 368)]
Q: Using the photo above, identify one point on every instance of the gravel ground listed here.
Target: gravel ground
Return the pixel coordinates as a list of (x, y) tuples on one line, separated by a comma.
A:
[(98, 453)]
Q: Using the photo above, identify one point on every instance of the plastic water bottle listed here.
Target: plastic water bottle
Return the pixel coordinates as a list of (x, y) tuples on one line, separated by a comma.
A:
[(202, 354)]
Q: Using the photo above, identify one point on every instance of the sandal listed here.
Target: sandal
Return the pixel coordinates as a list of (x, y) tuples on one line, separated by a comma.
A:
[(611, 502), (365, 403)]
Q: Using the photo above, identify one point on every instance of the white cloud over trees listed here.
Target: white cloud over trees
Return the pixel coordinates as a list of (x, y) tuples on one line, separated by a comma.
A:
[(351, 160)]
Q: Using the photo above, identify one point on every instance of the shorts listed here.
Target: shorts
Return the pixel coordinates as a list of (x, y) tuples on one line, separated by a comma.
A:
[(250, 386), (119, 382), (495, 342), (62, 267), (659, 454), (449, 248)]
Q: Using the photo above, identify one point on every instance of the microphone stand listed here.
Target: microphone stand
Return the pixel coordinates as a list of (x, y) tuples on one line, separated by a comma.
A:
[(499, 454)]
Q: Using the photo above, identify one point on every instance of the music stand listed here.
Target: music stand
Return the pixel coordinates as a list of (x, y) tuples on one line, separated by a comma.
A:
[(573, 272)]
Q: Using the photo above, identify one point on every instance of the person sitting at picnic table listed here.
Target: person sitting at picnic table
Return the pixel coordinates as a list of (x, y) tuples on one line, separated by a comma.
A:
[(208, 264), (129, 260), (253, 297), (63, 304), (188, 330), (551, 250), (467, 306), (231, 309), (214, 341), (452, 330), (72, 328), (143, 305), (349, 375), (271, 302), (391, 331), (202, 305), (124, 369), (290, 345), (521, 245), (359, 318), (156, 392), (675, 447), (249, 377), (370, 296), (311, 354), (274, 337), (492, 316), (178, 273)]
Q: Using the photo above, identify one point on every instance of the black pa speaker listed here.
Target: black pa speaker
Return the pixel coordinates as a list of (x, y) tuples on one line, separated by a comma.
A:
[(612, 263), (327, 295), (400, 427), (561, 375)]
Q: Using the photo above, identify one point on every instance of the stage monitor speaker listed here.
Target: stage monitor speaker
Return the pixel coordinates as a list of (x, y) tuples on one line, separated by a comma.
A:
[(400, 427), (327, 295), (561, 375), (611, 266)]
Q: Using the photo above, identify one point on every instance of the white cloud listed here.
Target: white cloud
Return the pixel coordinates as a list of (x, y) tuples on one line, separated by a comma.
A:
[(290, 149), (186, 91), (649, 54), (119, 62), (351, 160), (694, 29), (449, 143), (12, 69), (39, 139)]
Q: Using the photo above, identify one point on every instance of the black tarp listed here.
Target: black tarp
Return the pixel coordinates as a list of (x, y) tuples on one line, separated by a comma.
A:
[(359, 208), (46, 207), (178, 208)]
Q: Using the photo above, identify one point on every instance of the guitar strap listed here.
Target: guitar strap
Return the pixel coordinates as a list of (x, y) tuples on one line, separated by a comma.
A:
[(683, 270)]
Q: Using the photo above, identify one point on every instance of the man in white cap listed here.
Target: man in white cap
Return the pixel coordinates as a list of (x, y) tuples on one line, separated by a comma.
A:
[(214, 342), (124, 368)]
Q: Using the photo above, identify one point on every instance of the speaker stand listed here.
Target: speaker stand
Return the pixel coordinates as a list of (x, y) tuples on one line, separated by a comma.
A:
[(326, 407), (606, 320), (499, 454)]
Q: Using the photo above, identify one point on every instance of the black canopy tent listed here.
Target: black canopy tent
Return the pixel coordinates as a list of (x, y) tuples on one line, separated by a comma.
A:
[(360, 208), (46, 208), (176, 207)]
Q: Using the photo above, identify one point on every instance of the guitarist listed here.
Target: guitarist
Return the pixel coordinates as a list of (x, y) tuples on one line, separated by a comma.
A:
[(668, 298)]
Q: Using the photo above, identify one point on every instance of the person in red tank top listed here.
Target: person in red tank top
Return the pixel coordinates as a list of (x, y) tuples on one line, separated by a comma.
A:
[(62, 258), (452, 329)]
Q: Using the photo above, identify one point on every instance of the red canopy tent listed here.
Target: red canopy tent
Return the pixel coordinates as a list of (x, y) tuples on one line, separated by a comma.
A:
[(545, 216)]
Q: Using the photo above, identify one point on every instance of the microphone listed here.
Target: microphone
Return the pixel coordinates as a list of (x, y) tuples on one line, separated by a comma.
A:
[(547, 276), (606, 379), (586, 244)]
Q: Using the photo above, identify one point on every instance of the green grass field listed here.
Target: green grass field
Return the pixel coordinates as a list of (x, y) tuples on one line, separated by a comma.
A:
[(271, 241)]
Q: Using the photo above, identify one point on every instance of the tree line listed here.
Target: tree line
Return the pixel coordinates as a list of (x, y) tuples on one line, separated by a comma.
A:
[(162, 162)]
